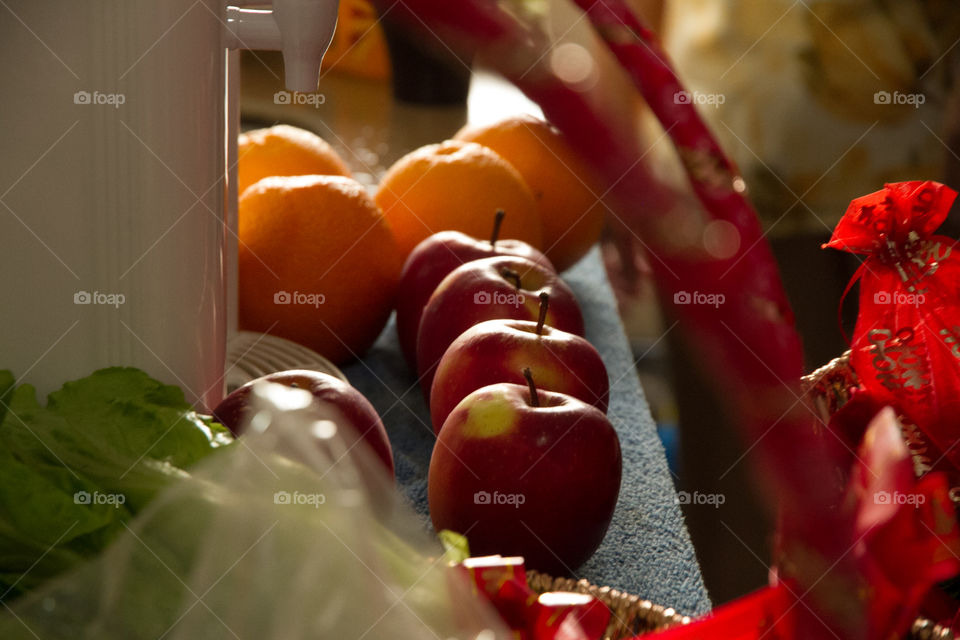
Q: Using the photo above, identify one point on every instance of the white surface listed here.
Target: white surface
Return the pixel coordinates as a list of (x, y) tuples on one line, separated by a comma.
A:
[(112, 182), (118, 198)]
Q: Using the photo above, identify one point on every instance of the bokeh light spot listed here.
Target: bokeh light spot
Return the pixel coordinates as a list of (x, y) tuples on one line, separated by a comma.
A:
[(721, 239)]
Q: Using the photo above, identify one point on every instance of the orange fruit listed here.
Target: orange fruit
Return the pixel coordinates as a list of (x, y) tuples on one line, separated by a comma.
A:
[(456, 186), (565, 188), (317, 263), (283, 150)]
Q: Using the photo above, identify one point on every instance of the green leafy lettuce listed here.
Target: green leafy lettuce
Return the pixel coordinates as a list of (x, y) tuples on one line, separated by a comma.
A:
[(73, 472)]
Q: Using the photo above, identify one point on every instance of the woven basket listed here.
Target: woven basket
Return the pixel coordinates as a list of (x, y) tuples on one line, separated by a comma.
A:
[(829, 389), (631, 615)]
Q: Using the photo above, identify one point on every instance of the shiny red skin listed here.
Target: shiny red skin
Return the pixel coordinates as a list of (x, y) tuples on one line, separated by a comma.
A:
[(498, 350), (563, 458), (452, 309), (430, 262), (357, 412)]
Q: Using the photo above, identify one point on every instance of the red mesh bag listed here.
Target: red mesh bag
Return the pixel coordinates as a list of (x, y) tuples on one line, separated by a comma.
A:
[(905, 344)]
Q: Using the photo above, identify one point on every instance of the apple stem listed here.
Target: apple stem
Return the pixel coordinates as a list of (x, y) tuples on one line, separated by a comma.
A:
[(510, 274), (544, 305), (497, 221), (534, 400)]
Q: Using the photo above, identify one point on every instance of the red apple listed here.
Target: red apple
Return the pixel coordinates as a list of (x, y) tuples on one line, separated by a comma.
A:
[(357, 412), (432, 260), (490, 289), (498, 351), (528, 473)]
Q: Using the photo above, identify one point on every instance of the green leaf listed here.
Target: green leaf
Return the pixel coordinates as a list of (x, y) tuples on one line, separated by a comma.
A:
[(455, 546), (125, 413), (73, 472)]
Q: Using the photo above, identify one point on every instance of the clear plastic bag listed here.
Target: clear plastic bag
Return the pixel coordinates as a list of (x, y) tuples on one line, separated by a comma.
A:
[(291, 535)]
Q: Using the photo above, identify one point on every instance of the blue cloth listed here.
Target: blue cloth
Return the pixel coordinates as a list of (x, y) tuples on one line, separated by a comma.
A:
[(647, 551)]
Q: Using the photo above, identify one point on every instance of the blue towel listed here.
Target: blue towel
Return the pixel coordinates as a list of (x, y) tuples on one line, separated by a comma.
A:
[(647, 551)]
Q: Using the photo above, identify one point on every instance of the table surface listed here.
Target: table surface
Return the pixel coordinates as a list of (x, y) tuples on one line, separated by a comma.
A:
[(647, 550)]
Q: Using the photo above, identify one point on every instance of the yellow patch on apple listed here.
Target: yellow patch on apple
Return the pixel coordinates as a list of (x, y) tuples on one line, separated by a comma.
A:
[(546, 377), (490, 418)]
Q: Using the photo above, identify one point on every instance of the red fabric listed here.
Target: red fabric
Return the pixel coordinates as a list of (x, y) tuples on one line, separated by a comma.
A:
[(503, 581), (906, 344), (767, 613), (900, 537), (905, 533), (570, 616), (550, 616), (905, 557)]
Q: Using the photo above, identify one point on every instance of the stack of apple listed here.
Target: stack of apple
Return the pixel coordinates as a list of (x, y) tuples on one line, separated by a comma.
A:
[(526, 462)]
